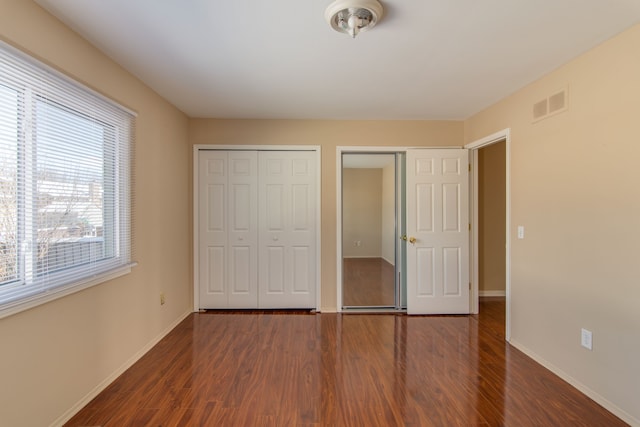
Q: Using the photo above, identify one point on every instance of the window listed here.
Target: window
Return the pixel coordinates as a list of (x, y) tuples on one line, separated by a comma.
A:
[(65, 186)]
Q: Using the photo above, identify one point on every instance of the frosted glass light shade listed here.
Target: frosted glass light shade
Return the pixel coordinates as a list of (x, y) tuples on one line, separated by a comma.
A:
[(353, 16)]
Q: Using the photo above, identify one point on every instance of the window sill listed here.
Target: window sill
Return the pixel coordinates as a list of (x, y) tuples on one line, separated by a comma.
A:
[(54, 294)]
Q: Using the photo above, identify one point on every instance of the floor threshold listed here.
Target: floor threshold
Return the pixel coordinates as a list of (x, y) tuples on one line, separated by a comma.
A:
[(372, 310)]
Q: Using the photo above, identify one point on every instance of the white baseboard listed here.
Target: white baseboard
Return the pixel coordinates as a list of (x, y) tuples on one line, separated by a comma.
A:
[(105, 383), (369, 257), (389, 262), (491, 294), (362, 256), (608, 405)]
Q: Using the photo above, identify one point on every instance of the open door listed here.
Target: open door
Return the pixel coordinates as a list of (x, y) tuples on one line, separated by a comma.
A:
[(437, 231)]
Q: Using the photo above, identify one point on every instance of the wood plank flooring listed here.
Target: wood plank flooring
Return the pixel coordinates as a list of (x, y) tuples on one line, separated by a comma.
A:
[(368, 282), (285, 369)]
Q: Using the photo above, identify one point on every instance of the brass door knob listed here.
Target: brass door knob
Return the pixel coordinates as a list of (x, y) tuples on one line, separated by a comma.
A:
[(411, 240)]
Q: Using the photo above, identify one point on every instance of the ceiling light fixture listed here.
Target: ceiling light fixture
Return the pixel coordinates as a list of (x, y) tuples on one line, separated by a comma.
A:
[(353, 16)]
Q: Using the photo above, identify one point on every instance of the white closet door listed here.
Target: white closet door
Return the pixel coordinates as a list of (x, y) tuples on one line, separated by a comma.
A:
[(228, 229), (438, 230), (287, 242)]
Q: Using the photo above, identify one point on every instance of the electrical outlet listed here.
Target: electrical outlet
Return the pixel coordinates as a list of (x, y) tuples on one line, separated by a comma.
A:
[(586, 339), (162, 299)]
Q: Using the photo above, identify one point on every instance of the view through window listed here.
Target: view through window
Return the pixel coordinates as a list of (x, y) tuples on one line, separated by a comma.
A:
[(65, 190)]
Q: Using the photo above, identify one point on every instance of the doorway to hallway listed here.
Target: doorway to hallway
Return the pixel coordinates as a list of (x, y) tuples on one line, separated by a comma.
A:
[(491, 221)]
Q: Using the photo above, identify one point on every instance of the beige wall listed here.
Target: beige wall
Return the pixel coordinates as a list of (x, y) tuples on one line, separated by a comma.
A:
[(328, 135), (491, 218), (574, 179), (52, 356), (574, 187), (361, 212)]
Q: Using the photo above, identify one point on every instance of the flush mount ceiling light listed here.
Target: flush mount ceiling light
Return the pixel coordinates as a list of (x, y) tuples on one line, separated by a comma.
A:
[(353, 16)]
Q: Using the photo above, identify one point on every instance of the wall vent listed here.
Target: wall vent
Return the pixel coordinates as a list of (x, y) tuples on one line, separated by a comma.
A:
[(550, 106), (557, 102), (540, 109)]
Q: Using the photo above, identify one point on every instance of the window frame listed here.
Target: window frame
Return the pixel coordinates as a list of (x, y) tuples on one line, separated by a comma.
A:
[(36, 82)]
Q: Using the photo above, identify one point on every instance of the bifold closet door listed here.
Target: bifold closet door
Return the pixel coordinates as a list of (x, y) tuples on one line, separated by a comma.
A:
[(287, 223), (228, 229)]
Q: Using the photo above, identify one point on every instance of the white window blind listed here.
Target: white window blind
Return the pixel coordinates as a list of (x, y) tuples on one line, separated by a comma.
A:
[(65, 184)]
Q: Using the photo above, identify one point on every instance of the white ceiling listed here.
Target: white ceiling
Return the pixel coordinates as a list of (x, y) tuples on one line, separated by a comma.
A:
[(426, 59)]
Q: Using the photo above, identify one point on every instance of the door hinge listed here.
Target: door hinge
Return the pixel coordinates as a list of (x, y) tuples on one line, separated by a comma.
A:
[(469, 226), (469, 167)]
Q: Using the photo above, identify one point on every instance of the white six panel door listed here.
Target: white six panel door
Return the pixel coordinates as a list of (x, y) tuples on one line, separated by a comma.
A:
[(438, 220), (287, 222), (228, 229)]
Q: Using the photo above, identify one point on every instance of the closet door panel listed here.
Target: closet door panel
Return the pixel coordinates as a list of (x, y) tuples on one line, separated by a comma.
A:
[(212, 226), (228, 229), (287, 195), (301, 271), (215, 271), (274, 281), (275, 207), (243, 229), (257, 229)]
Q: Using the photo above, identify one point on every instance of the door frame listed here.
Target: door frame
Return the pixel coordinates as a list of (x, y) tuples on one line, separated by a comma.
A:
[(355, 150), (474, 147), (204, 147), (360, 149)]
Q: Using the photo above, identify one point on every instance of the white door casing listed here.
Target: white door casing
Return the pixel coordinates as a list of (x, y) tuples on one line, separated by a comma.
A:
[(287, 223), (438, 220), (228, 229), (473, 147)]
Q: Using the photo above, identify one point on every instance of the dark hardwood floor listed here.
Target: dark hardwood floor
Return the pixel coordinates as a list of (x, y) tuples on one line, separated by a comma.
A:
[(368, 282), (286, 369)]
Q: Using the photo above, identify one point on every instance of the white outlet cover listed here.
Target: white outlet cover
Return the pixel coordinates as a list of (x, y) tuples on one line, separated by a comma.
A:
[(587, 339)]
